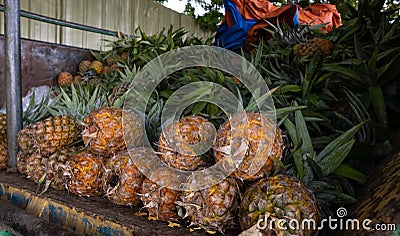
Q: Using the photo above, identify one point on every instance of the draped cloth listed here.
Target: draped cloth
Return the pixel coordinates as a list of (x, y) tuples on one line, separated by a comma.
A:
[(245, 21)]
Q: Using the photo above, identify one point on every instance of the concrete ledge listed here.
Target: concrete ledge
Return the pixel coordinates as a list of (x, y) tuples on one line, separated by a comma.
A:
[(81, 215), (21, 222)]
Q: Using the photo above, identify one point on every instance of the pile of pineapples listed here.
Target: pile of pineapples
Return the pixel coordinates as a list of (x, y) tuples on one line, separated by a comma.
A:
[(311, 167)]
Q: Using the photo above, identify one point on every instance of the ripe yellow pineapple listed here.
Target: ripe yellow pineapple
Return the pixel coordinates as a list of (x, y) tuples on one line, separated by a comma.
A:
[(49, 135), (84, 66), (160, 201), (103, 132), (3, 154), (176, 140), (97, 66), (65, 79), (212, 208), (83, 173), (279, 198), (316, 45), (122, 180), (249, 138)]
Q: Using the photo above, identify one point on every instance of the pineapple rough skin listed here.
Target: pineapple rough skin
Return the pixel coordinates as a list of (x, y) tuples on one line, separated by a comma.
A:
[(212, 208), (282, 197), (160, 201), (122, 180), (83, 173), (3, 154), (175, 140), (104, 134), (257, 131), (49, 135)]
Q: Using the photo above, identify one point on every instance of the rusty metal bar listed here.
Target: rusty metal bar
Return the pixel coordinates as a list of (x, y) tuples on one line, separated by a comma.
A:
[(13, 78), (73, 25)]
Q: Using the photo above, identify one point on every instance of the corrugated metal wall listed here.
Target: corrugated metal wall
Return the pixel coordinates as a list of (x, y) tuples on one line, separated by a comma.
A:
[(116, 15)]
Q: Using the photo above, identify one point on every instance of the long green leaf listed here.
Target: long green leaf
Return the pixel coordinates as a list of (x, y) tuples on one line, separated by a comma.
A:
[(333, 159), (333, 146), (351, 173), (291, 129), (302, 131), (281, 112), (298, 161), (378, 102)]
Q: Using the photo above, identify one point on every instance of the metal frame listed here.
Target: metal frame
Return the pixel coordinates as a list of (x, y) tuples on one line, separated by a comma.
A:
[(73, 25), (13, 78)]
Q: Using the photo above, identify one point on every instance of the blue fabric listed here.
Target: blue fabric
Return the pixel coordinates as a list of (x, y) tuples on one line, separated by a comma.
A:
[(296, 20), (233, 38)]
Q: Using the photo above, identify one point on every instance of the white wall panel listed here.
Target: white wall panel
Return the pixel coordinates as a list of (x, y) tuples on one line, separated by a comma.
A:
[(117, 15)]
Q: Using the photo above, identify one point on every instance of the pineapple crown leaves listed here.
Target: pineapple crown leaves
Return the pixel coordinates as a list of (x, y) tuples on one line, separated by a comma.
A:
[(78, 104), (324, 167), (284, 35), (36, 111)]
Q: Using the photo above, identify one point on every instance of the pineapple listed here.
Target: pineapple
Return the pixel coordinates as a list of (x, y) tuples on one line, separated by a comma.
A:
[(77, 79), (49, 135), (97, 66), (32, 165), (103, 132), (119, 91), (319, 46), (3, 154), (55, 166), (122, 180), (65, 79), (158, 200), (112, 59), (3, 125), (3, 141), (176, 140), (212, 208), (83, 174), (106, 71), (124, 56), (279, 197), (259, 146), (84, 66)]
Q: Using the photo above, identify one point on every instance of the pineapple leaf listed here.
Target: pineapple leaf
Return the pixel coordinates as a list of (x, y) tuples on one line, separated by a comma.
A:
[(349, 172), (282, 112), (378, 102), (298, 161), (333, 159), (291, 129), (333, 146), (302, 131)]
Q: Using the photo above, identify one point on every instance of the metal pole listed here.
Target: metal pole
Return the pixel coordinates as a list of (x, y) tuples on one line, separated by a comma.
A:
[(13, 78)]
